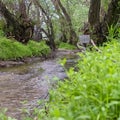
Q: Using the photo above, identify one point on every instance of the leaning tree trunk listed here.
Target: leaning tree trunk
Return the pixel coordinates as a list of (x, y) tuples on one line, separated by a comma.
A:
[(21, 29), (49, 32), (72, 33), (62, 21), (65, 18)]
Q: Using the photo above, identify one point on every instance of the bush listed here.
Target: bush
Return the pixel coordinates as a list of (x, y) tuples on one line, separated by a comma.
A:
[(11, 49), (38, 49)]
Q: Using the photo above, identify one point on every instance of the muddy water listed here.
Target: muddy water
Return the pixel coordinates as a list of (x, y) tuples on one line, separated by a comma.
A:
[(22, 86)]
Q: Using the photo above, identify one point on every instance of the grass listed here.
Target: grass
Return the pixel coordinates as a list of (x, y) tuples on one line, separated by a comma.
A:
[(67, 46), (92, 92), (11, 49)]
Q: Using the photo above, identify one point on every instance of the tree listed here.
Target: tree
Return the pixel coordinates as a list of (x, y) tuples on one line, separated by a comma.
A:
[(49, 31), (18, 26), (100, 27), (68, 33)]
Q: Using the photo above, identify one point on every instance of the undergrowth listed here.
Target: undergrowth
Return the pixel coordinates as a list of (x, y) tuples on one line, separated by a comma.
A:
[(3, 115), (12, 50), (63, 45), (92, 92)]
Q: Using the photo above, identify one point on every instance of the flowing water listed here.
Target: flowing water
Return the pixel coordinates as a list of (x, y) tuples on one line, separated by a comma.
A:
[(22, 86)]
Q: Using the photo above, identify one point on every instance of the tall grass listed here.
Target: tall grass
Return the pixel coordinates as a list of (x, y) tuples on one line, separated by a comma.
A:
[(92, 92), (11, 49)]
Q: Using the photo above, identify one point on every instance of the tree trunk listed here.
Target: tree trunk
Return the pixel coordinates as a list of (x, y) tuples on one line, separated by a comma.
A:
[(21, 29), (94, 19), (94, 12), (100, 28)]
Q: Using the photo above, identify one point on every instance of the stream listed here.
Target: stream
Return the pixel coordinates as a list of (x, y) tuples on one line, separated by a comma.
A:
[(22, 86)]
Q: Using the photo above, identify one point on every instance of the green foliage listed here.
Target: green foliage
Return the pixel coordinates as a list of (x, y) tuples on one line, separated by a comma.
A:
[(2, 24), (3, 116), (80, 16), (78, 10), (63, 45), (38, 49), (11, 49), (105, 4), (92, 92), (114, 32)]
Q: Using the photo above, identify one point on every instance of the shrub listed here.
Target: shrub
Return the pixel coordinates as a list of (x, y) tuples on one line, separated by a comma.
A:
[(11, 49), (92, 92)]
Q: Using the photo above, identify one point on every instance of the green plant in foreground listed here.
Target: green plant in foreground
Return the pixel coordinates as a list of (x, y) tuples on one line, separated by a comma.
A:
[(92, 92), (3, 116)]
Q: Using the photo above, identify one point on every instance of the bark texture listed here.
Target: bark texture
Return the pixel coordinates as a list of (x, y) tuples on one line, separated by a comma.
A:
[(19, 28), (100, 28), (94, 12)]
